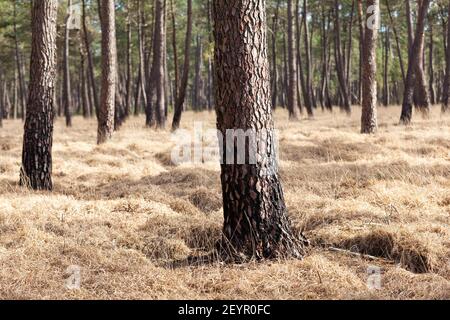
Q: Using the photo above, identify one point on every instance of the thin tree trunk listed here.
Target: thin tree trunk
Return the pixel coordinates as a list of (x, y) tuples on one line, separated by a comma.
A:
[(128, 90), (386, 68), (181, 97), (446, 89), (339, 62), (90, 61), (369, 101), (431, 66), (36, 170), (109, 72), (397, 41), (19, 63), (159, 42), (274, 78), (292, 62), (66, 82)]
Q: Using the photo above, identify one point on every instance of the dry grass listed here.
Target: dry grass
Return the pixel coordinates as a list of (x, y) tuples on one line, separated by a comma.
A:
[(127, 216)]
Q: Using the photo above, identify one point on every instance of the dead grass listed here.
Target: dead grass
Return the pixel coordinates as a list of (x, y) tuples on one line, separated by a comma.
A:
[(131, 219)]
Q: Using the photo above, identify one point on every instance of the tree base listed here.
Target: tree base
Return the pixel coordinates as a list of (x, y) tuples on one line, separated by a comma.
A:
[(289, 247)]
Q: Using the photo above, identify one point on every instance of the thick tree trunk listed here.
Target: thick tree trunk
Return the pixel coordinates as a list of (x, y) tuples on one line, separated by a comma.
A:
[(414, 63), (109, 72), (256, 223), (36, 171), (292, 62), (181, 97), (369, 89)]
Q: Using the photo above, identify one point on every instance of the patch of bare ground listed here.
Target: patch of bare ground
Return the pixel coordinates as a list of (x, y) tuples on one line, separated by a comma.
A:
[(139, 226)]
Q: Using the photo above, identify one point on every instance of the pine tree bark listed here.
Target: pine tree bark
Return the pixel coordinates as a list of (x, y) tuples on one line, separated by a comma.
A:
[(414, 63), (369, 86), (36, 170), (109, 73), (256, 224)]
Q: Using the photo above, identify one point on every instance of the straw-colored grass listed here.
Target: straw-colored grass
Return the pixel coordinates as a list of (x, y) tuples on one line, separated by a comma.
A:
[(130, 219)]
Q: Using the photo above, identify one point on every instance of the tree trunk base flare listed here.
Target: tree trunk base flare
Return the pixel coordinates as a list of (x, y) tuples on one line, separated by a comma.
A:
[(406, 116), (256, 223)]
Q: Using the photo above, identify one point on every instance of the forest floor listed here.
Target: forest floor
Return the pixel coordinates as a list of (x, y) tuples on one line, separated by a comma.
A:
[(129, 218)]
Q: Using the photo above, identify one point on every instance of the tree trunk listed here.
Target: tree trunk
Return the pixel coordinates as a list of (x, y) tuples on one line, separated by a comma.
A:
[(66, 82), (414, 63), (446, 89), (397, 41), (274, 85), (36, 170), (339, 62), (256, 224), (369, 89), (308, 85), (109, 73), (19, 63), (84, 87), (292, 63), (386, 67), (128, 95), (181, 97), (158, 78), (431, 66), (90, 61)]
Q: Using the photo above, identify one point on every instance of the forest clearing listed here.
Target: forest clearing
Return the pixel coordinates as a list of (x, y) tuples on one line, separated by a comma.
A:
[(130, 219), (225, 150)]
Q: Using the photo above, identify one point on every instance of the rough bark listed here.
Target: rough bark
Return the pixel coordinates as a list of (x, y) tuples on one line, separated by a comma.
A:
[(256, 224), (369, 86), (36, 170), (109, 73)]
